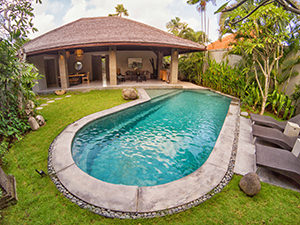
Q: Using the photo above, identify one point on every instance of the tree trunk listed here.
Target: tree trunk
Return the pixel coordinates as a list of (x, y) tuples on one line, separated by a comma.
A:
[(266, 91), (263, 105)]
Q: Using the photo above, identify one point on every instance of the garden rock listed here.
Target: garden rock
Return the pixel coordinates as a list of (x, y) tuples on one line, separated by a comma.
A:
[(30, 105), (250, 184), (129, 94), (33, 123), (40, 119), (244, 114), (60, 92), (29, 108)]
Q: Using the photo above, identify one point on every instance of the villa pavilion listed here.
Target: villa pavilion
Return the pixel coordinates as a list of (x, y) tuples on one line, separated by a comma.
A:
[(105, 51)]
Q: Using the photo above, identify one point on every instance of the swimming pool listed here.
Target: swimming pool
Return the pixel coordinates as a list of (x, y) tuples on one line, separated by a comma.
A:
[(153, 143)]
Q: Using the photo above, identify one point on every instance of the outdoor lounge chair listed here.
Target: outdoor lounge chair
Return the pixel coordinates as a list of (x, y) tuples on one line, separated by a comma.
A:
[(278, 160), (273, 136), (271, 122)]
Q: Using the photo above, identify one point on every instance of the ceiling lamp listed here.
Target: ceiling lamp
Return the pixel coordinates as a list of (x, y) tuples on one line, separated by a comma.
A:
[(67, 54), (79, 54)]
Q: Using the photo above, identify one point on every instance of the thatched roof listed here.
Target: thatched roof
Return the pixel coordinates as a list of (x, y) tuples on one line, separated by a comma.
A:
[(100, 32)]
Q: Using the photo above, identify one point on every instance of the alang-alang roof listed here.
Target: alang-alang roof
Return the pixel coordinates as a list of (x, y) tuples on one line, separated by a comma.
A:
[(107, 31)]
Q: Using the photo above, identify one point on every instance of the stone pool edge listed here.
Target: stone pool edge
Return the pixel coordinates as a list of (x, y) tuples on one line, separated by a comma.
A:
[(144, 202)]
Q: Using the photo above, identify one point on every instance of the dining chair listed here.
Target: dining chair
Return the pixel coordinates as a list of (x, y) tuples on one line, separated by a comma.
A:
[(86, 79)]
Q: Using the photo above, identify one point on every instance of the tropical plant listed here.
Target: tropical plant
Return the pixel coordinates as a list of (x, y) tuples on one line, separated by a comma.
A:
[(261, 37), (224, 78), (288, 5), (120, 11), (191, 66), (281, 104), (176, 27), (16, 76), (218, 76), (181, 29), (201, 7), (251, 97)]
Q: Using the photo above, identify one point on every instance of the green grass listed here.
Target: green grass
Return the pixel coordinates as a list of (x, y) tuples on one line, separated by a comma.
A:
[(41, 203)]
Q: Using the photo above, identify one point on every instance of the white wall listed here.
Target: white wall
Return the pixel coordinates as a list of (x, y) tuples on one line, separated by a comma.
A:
[(122, 59), (220, 55), (294, 80)]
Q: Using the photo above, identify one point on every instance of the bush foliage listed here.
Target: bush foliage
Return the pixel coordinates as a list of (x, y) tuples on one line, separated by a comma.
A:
[(16, 76)]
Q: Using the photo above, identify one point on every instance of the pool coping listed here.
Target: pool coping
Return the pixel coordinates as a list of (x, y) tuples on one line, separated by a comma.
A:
[(121, 201)]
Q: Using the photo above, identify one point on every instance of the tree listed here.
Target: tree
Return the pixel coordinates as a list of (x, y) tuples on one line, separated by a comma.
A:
[(201, 7), (16, 76), (176, 27), (120, 10), (288, 5), (181, 29), (261, 37)]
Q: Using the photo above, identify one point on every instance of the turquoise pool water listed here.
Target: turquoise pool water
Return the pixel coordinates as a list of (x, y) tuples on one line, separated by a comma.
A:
[(153, 143)]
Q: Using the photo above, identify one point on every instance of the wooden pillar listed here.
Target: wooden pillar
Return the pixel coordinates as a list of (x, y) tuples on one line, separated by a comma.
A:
[(113, 65), (174, 66), (159, 63), (63, 71)]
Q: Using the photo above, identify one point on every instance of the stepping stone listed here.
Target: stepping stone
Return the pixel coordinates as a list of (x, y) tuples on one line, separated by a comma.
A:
[(51, 101), (68, 96), (39, 108), (44, 104), (58, 98)]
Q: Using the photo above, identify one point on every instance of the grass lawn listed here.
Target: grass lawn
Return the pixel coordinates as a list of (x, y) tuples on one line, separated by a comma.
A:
[(41, 203)]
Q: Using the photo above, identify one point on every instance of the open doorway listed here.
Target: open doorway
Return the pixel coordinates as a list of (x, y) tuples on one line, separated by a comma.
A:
[(100, 68), (50, 73), (96, 68)]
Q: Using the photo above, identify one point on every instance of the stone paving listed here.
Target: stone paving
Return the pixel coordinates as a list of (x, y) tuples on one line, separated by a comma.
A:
[(50, 100), (246, 160)]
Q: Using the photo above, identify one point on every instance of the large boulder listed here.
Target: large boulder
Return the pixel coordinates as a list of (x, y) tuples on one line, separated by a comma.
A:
[(33, 123), (129, 94), (40, 119), (250, 184)]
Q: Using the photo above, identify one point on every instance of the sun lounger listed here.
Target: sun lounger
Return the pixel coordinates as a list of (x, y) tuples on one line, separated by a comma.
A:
[(273, 136), (271, 122), (278, 160)]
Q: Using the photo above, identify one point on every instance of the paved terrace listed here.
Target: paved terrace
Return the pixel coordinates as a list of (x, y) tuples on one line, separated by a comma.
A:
[(97, 85)]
